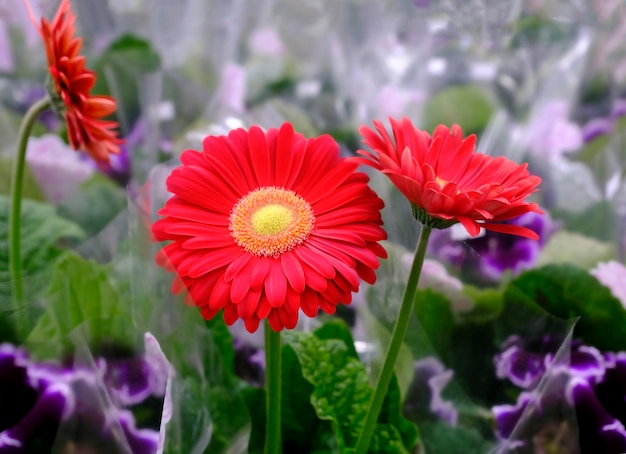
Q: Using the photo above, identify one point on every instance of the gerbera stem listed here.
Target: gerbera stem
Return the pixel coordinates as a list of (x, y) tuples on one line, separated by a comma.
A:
[(399, 331), (273, 373), (15, 215)]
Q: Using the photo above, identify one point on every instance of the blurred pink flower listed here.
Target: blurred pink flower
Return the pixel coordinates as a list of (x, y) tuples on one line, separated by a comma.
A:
[(612, 275), (57, 168)]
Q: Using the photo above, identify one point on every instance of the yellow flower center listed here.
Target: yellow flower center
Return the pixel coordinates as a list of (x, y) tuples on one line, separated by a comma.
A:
[(270, 221)]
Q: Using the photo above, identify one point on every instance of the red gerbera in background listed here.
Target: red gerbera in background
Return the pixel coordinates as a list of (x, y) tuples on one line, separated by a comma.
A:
[(71, 86), (447, 182), (265, 224)]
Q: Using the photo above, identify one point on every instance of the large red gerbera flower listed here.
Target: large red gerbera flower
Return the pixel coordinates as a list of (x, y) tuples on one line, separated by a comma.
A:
[(447, 182), (71, 87), (265, 224)]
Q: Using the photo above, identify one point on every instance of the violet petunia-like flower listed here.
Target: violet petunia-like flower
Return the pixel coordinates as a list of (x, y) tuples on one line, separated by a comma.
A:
[(578, 407), (491, 254), (425, 394), (57, 408)]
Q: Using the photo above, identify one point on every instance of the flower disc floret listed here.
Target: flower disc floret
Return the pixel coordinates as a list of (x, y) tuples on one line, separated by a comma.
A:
[(269, 221)]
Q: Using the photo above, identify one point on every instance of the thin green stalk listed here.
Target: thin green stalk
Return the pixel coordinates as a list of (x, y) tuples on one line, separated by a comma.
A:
[(273, 373), (15, 215), (397, 337)]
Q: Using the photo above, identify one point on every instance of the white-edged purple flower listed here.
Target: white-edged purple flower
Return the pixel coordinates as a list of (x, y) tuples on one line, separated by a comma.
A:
[(574, 407), (425, 394), (491, 254), (56, 407)]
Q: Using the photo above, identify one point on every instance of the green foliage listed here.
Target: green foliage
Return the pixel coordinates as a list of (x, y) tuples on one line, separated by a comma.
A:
[(80, 301), (202, 354), (341, 393), (30, 189), (436, 323), (97, 202), (466, 105), (537, 29), (43, 232), (126, 63), (440, 437), (568, 292), (599, 221), (487, 304), (573, 248)]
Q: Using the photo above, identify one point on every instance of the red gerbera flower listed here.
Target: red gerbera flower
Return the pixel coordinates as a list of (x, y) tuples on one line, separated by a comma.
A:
[(265, 224), (71, 86), (447, 182)]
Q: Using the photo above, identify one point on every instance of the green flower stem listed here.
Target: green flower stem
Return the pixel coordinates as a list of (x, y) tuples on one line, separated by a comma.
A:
[(397, 337), (273, 373), (15, 215)]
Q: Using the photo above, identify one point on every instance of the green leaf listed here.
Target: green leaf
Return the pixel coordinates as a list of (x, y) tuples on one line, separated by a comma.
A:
[(80, 296), (341, 393), (487, 304), (30, 189), (190, 429), (596, 156), (599, 221), (439, 437), (300, 425), (572, 248), (43, 232), (198, 353), (466, 105), (95, 205), (337, 329), (567, 292), (254, 399), (126, 63), (436, 323)]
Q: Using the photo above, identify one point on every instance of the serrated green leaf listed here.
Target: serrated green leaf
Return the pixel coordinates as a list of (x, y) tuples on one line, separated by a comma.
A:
[(567, 292), (341, 393), (80, 296), (337, 329)]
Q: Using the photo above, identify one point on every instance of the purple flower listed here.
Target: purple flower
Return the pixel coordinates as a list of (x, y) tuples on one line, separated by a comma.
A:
[(490, 255), (603, 126), (249, 362), (575, 407), (55, 407), (425, 395)]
